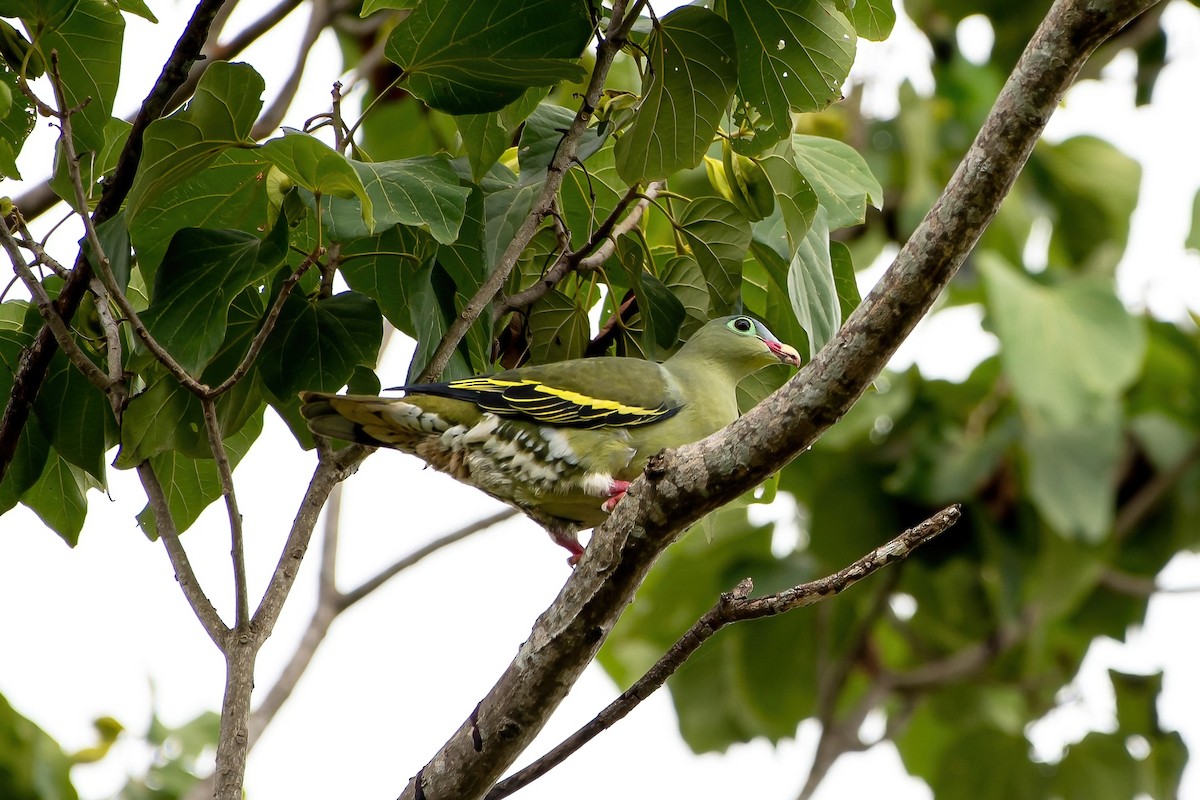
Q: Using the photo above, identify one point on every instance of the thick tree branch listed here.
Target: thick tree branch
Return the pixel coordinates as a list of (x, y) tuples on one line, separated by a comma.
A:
[(681, 486), (35, 360), (733, 606)]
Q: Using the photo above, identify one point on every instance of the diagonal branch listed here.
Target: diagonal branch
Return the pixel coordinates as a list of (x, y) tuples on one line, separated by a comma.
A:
[(599, 246), (681, 486), (201, 605), (733, 606)]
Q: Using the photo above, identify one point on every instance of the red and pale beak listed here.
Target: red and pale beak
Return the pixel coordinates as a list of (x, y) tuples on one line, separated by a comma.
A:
[(784, 352)]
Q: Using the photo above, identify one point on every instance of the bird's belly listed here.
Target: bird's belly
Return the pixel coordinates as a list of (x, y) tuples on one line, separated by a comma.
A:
[(565, 474)]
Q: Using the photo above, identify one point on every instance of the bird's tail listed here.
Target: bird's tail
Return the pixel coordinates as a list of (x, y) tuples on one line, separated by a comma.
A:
[(365, 419)]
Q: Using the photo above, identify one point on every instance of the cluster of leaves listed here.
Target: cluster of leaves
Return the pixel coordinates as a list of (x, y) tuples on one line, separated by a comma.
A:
[(34, 767), (1075, 451)]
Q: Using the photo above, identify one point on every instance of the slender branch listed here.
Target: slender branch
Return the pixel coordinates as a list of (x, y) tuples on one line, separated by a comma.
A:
[(1147, 498), (606, 51), (36, 360), (46, 307), (1139, 585), (268, 325), (366, 587), (733, 606), (595, 251), (680, 486), (202, 607), (237, 550)]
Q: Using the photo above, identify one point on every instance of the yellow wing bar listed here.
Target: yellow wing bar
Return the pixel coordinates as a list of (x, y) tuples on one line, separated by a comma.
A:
[(541, 402)]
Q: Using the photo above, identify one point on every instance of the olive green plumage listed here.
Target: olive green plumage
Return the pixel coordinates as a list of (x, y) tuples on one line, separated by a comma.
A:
[(561, 441)]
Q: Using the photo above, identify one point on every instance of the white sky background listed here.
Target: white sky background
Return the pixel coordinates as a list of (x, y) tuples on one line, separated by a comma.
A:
[(88, 631)]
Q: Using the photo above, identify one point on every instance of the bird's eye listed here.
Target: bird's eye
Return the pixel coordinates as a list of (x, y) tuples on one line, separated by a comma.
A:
[(742, 324)]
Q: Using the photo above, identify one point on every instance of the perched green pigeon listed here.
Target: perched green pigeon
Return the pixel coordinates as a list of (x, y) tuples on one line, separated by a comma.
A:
[(561, 442)]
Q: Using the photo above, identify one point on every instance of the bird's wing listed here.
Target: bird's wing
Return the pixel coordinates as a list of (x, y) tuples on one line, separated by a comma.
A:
[(583, 393)]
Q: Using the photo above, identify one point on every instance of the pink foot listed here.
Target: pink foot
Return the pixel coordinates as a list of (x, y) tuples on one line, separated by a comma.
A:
[(615, 493), (568, 539)]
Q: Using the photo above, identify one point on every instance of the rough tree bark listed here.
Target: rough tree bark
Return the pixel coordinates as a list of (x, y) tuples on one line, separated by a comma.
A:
[(681, 486)]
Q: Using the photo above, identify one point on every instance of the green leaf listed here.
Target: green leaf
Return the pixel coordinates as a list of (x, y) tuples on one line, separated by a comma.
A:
[(15, 124), (39, 15), (192, 484), (558, 329), (841, 178), (369, 7), (58, 497), (794, 195), (1067, 349), (201, 274), (688, 86), (317, 344), (719, 237), (76, 417), (473, 56), (662, 312), (1072, 474), (385, 268), (541, 137), (27, 465), (811, 286), (33, 765), (1193, 237), (231, 192), (433, 308), (590, 194), (873, 19), (157, 420), (219, 116), (486, 136), (137, 8), (791, 57), (89, 60), (1093, 188), (423, 191), (986, 764), (844, 280), (1099, 768), (684, 278), (1137, 702), (319, 168)]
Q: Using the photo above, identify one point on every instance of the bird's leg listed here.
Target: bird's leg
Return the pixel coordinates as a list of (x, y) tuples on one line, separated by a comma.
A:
[(566, 537), (615, 492)]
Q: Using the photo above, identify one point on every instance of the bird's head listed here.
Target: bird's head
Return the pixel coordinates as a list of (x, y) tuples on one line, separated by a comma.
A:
[(740, 343)]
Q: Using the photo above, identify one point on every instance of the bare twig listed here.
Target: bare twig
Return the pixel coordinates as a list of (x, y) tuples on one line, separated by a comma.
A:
[(46, 307), (1147, 498), (366, 587), (268, 325), (733, 606), (202, 607), (237, 550), (591, 256)]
